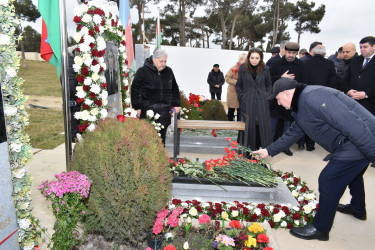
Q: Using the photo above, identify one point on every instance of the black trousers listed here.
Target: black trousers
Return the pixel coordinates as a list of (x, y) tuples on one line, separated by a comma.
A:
[(218, 96), (231, 114), (333, 180)]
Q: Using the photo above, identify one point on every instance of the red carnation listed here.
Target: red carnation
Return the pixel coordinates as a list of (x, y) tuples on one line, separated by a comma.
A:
[(82, 40), (79, 26), (94, 62), (254, 217), (94, 52), (98, 102), (169, 247), (80, 78), (296, 216), (78, 50), (126, 74), (85, 70), (123, 42), (104, 85), (263, 238), (96, 28), (101, 53), (81, 128), (86, 88), (77, 19), (303, 190), (80, 100), (121, 118), (102, 23), (85, 106), (261, 205), (91, 32), (265, 213), (101, 69), (92, 95), (272, 224), (245, 211), (126, 61), (113, 22), (235, 223), (91, 12), (276, 210), (289, 226), (92, 45)]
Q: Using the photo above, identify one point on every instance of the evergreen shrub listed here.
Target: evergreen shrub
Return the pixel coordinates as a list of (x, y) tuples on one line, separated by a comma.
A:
[(214, 110), (131, 179)]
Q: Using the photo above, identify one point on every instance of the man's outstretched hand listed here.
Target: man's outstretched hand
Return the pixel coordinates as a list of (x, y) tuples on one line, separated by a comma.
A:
[(261, 152)]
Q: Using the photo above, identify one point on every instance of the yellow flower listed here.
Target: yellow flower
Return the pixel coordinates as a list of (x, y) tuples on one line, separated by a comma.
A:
[(251, 242), (255, 228), (224, 215)]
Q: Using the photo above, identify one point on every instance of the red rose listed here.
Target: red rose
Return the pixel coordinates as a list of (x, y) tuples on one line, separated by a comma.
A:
[(126, 87), (91, 12), (82, 40), (235, 223), (80, 78), (92, 95), (94, 52), (77, 19), (94, 62), (268, 248), (289, 226), (101, 53), (85, 107), (86, 88), (121, 118), (81, 128), (263, 238), (91, 32), (113, 22), (272, 224), (176, 202), (78, 50), (79, 26), (123, 42), (85, 70), (101, 69), (102, 23), (254, 217), (97, 11), (92, 45), (303, 190), (296, 216), (245, 211), (126, 62), (126, 74), (261, 205), (96, 28), (265, 213), (276, 210), (80, 100), (104, 85), (98, 102)]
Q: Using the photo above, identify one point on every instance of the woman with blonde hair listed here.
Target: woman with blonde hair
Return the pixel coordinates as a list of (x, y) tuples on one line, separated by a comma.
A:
[(253, 87), (231, 78)]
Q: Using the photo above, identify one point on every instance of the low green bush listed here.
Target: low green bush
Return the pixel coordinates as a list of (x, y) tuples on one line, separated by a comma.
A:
[(214, 110), (131, 180)]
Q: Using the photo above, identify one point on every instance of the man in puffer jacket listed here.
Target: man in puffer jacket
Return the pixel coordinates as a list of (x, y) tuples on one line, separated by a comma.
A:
[(342, 127), (155, 88)]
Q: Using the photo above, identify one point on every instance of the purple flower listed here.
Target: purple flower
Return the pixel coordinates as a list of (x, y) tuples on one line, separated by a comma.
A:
[(214, 245)]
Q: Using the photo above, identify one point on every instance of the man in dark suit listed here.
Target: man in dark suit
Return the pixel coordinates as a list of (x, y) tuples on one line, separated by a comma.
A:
[(310, 54), (362, 75), (318, 71), (275, 55)]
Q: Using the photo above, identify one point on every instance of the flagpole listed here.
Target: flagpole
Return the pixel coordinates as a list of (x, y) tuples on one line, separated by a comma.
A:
[(65, 85)]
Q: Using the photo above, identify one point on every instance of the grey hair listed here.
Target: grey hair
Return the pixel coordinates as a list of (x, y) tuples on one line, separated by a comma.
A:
[(320, 50), (160, 53), (242, 55), (282, 44)]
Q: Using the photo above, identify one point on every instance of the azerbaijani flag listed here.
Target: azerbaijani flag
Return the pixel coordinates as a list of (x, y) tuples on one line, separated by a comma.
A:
[(124, 14), (158, 32), (50, 47)]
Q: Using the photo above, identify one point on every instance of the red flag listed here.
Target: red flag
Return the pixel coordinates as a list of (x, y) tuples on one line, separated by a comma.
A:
[(46, 51)]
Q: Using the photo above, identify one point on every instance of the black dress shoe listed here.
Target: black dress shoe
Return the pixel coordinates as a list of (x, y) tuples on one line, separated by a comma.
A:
[(288, 152), (347, 209), (309, 232), (301, 146), (310, 148), (373, 165)]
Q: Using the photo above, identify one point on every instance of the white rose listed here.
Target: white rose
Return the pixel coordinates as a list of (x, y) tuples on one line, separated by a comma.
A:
[(84, 47), (81, 94), (150, 113), (282, 214), (295, 208), (97, 19), (77, 37), (95, 77), (206, 205), (79, 137), (92, 118), (127, 101), (172, 206), (310, 196), (188, 220), (84, 8), (95, 68), (94, 111), (184, 204), (276, 217), (283, 224), (186, 245), (78, 11), (87, 81), (103, 113), (86, 56), (105, 102), (24, 223), (78, 115), (257, 211), (104, 95), (307, 209), (299, 187), (235, 213), (85, 115), (295, 193), (10, 111), (91, 127), (78, 60), (95, 88), (84, 31), (193, 211), (86, 18)]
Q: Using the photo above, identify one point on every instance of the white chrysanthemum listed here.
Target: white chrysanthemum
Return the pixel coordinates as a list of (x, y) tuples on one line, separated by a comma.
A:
[(101, 29), (77, 37), (295, 193), (127, 101), (122, 48), (282, 214), (150, 113), (168, 236), (84, 31), (86, 56), (91, 127), (97, 19), (79, 137), (87, 81), (130, 112), (81, 94), (19, 173), (92, 118), (104, 95), (85, 115), (78, 115), (94, 111), (95, 77), (88, 102), (16, 146), (4, 39), (88, 62), (104, 67), (95, 88), (76, 68), (277, 217), (105, 102), (291, 186), (84, 47), (283, 224), (102, 78), (95, 68), (100, 60), (299, 187), (235, 213), (78, 60), (24, 223), (89, 39), (86, 18), (103, 113), (257, 211), (125, 56), (100, 42), (10, 111), (307, 209), (183, 215)]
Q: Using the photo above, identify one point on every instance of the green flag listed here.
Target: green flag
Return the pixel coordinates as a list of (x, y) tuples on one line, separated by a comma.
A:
[(50, 49)]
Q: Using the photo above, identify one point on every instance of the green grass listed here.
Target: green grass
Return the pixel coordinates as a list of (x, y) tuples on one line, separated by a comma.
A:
[(40, 78), (45, 128)]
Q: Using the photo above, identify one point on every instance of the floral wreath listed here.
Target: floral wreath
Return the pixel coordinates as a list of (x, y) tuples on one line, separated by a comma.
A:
[(93, 24)]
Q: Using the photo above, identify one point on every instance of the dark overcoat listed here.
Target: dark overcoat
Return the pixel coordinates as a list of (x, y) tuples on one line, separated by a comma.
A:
[(364, 80), (215, 78), (320, 71), (253, 99)]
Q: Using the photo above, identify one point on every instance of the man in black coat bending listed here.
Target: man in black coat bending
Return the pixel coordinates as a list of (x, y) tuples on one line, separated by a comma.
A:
[(342, 127)]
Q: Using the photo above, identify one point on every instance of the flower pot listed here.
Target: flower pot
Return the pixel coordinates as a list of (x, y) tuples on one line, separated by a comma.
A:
[(154, 241)]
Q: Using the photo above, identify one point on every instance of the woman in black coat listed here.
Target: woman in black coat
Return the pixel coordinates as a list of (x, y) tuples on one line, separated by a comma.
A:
[(253, 87), (155, 88)]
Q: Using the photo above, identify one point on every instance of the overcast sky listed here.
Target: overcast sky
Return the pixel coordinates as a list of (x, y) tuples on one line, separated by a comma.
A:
[(344, 21)]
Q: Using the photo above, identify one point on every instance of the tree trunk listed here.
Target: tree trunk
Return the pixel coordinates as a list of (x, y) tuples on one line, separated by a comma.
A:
[(223, 29), (299, 32), (182, 23), (208, 39), (202, 36), (276, 17), (281, 31), (23, 55)]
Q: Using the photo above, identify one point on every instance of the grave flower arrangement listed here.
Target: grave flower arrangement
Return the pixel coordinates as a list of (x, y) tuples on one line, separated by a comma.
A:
[(66, 195)]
